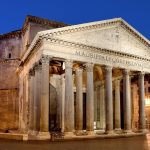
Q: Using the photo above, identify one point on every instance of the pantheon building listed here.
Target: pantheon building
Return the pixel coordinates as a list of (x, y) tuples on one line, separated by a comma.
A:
[(61, 81)]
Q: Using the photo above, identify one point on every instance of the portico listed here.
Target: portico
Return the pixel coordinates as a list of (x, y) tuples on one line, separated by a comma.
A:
[(105, 54)]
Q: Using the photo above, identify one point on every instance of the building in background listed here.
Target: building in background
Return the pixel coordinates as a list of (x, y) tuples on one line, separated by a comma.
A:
[(81, 80)]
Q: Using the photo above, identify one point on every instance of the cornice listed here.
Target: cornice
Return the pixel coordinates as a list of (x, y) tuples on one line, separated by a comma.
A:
[(4, 61), (11, 34), (29, 52), (42, 21), (135, 33), (78, 28)]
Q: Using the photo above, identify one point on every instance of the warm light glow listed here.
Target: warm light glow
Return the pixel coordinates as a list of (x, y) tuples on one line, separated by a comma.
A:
[(147, 101), (63, 66)]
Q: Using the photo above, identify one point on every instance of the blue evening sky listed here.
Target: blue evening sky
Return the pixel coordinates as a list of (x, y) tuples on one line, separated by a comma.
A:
[(135, 12)]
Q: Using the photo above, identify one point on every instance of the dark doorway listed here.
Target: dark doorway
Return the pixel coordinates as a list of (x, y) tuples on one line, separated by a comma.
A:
[(84, 111), (9, 55)]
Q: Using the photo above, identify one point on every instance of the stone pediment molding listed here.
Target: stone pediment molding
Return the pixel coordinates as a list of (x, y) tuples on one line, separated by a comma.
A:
[(95, 25)]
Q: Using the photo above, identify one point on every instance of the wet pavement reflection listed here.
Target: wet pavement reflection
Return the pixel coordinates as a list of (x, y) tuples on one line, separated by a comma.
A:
[(132, 143)]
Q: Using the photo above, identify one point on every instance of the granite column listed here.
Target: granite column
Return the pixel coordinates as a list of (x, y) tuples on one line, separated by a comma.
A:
[(108, 99), (89, 99)]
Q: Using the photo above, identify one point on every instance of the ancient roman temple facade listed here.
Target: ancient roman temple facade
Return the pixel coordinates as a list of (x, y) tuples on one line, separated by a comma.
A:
[(86, 80)]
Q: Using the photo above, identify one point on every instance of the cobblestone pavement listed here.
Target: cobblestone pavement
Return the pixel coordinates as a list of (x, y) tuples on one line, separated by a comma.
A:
[(132, 143)]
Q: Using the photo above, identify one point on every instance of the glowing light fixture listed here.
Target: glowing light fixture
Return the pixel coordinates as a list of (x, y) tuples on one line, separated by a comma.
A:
[(63, 66)]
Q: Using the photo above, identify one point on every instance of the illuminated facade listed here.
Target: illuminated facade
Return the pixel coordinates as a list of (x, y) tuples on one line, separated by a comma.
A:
[(83, 80)]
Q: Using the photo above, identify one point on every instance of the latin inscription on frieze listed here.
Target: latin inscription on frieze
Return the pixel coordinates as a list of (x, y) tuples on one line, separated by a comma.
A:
[(114, 60)]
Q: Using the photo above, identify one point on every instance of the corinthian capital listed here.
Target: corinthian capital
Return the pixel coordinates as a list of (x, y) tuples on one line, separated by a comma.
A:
[(68, 64), (45, 59), (126, 71), (141, 74), (37, 66), (108, 68), (79, 71), (31, 72), (89, 67)]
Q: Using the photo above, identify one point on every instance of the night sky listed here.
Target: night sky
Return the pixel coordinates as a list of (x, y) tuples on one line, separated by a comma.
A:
[(135, 12)]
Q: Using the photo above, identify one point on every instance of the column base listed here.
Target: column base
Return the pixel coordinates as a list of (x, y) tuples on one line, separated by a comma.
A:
[(143, 131), (118, 130), (90, 133), (32, 132), (44, 135), (23, 131), (69, 134), (25, 137), (100, 131), (109, 132), (127, 131), (80, 132)]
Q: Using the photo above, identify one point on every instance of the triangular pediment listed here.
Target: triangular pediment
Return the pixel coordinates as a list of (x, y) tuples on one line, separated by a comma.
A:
[(105, 37), (115, 34)]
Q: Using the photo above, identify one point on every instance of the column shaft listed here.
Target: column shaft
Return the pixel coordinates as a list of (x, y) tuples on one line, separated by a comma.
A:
[(102, 106), (135, 106), (31, 99), (97, 106), (90, 99), (127, 101), (37, 97), (44, 117), (69, 98), (79, 100), (108, 99), (117, 105), (141, 102), (63, 102)]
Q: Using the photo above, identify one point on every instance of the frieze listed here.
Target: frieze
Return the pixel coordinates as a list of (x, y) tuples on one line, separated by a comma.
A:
[(113, 59)]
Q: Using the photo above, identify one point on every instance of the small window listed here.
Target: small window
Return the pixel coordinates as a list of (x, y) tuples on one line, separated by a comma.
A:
[(9, 56)]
